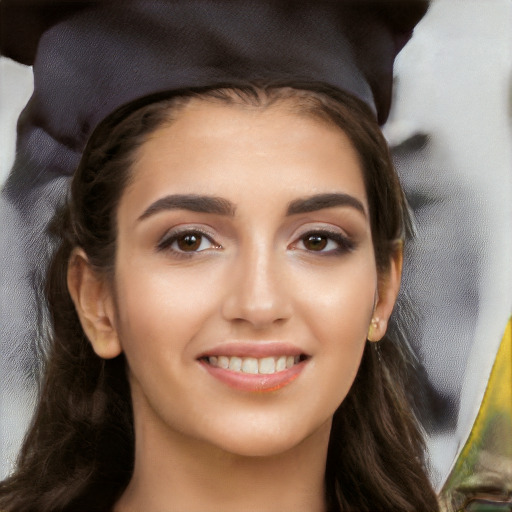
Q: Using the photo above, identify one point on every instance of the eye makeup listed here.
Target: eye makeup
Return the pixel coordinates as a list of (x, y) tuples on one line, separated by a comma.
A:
[(324, 242), (187, 241)]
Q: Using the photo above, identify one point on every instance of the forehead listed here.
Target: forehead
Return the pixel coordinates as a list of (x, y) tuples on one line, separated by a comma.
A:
[(215, 148)]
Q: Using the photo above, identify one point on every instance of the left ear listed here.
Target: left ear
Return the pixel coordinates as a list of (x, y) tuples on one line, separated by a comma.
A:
[(387, 292)]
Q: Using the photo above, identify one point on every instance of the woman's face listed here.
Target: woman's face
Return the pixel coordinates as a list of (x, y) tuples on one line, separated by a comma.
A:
[(245, 277)]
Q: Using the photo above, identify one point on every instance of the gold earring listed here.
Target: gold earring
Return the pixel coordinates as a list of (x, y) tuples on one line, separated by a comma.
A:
[(374, 324)]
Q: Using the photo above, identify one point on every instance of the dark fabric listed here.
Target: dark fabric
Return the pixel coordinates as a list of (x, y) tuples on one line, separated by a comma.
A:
[(23, 21), (91, 57)]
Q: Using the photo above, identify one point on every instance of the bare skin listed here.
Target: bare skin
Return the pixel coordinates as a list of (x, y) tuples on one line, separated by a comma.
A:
[(268, 270), (206, 477)]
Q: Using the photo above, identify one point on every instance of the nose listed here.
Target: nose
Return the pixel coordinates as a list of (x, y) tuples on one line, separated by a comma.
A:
[(257, 293)]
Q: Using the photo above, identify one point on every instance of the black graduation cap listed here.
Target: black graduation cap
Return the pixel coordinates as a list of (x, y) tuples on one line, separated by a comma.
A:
[(90, 57)]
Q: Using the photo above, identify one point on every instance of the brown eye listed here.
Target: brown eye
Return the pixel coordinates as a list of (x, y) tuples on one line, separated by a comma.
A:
[(189, 242), (315, 242), (325, 243)]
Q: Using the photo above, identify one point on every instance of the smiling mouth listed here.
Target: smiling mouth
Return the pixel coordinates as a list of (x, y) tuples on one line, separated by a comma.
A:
[(255, 366)]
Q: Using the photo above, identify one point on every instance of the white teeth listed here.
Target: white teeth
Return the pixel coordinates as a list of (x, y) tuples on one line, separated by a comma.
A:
[(281, 364), (252, 365), (267, 365), (235, 363), (223, 362)]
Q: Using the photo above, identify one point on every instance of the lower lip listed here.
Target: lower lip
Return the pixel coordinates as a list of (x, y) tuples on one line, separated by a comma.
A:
[(255, 382)]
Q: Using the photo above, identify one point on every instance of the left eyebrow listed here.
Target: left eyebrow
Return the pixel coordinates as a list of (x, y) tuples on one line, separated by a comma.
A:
[(321, 201), (191, 202)]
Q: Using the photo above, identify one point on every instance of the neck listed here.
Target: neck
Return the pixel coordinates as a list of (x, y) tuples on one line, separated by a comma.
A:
[(174, 472)]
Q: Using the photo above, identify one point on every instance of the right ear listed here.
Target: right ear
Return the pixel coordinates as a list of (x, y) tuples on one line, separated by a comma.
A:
[(94, 304)]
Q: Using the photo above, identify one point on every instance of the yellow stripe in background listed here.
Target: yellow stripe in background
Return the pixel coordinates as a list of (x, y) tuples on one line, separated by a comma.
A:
[(482, 477)]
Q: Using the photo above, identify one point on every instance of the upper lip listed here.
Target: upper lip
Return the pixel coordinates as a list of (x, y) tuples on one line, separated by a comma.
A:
[(257, 350)]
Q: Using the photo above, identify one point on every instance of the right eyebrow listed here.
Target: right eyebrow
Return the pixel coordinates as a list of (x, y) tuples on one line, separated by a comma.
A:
[(191, 202)]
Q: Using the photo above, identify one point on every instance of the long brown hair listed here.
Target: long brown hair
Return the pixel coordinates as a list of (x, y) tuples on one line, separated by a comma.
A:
[(79, 452)]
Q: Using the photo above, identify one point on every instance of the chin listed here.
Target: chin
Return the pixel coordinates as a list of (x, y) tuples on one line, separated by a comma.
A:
[(259, 447), (271, 442)]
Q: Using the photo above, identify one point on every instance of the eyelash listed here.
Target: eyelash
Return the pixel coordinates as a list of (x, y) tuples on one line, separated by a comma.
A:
[(344, 244), (171, 238)]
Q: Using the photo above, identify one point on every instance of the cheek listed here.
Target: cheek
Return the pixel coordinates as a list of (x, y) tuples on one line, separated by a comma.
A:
[(338, 313), (161, 311), (341, 303)]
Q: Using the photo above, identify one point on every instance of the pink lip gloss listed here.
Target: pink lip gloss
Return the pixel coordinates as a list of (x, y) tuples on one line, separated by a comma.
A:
[(255, 382)]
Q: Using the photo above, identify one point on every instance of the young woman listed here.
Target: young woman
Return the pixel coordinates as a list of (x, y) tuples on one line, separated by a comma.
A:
[(228, 261)]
